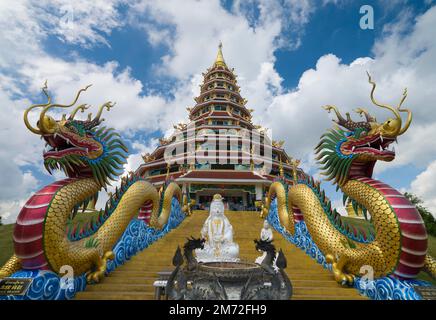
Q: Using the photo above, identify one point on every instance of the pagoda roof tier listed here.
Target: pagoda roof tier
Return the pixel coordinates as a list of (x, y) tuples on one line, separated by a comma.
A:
[(224, 114), (201, 119), (218, 101), (224, 109), (219, 114), (205, 90), (215, 138), (213, 176), (162, 177), (243, 158), (218, 176), (219, 79), (158, 153), (214, 69), (222, 176), (219, 68)]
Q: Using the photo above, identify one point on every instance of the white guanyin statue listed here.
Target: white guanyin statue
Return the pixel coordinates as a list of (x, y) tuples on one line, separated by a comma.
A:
[(266, 234), (218, 232)]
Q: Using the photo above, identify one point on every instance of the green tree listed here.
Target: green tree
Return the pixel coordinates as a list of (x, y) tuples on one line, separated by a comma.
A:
[(1, 223), (429, 220)]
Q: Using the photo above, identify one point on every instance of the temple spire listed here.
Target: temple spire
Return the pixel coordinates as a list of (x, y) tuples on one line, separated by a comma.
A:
[(219, 57)]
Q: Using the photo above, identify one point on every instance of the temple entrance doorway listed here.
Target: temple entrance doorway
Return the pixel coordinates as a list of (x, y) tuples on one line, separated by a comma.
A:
[(236, 200)]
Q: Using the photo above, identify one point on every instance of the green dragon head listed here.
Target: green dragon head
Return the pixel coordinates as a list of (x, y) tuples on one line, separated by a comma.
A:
[(351, 149), (79, 147)]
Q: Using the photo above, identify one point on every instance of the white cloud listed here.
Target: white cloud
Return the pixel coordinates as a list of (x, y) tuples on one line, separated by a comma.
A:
[(24, 66), (399, 61), (195, 37), (135, 158), (13, 194), (424, 186), (191, 38), (81, 22)]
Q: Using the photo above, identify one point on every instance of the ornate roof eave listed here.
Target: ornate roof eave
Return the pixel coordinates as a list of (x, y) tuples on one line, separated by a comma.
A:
[(196, 137), (206, 83), (204, 103), (242, 155), (215, 69)]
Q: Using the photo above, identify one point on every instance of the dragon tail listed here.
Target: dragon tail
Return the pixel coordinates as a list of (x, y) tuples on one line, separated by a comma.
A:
[(11, 266), (430, 266)]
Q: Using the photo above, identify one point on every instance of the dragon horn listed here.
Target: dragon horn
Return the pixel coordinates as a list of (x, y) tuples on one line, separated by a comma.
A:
[(49, 106), (341, 119), (26, 120), (394, 110), (80, 108), (409, 113), (346, 123), (108, 105), (369, 118)]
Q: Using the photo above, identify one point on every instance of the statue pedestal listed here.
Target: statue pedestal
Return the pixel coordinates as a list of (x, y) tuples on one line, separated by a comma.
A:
[(231, 275), (205, 255)]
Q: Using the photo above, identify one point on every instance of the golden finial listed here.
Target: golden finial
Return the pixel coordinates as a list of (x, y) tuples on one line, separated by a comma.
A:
[(282, 172), (294, 163), (219, 61)]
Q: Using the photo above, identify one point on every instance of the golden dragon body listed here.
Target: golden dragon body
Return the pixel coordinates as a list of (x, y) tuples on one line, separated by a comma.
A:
[(89, 156), (348, 155)]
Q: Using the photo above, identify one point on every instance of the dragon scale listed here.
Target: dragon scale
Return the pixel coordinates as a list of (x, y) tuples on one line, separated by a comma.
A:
[(348, 154), (400, 243), (46, 237)]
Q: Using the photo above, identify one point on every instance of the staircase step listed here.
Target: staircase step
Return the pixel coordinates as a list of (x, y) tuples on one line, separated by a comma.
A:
[(134, 280), (317, 291), (324, 297), (115, 295), (121, 287)]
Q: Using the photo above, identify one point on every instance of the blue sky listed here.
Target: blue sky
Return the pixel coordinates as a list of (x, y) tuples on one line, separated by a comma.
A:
[(291, 58)]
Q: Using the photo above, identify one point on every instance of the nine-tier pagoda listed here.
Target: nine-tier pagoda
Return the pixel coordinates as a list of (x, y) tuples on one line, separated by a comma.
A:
[(220, 150)]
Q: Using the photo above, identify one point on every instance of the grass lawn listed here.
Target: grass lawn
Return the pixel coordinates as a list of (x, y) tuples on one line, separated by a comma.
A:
[(359, 223), (6, 244), (432, 252)]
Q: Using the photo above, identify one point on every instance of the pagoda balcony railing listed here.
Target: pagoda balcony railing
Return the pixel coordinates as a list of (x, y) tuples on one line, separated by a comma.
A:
[(223, 91), (214, 81), (213, 71), (229, 134), (232, 115), (233, 83), (206, 125), (220, 89), (220, 78), (205, 103), (212, 137)]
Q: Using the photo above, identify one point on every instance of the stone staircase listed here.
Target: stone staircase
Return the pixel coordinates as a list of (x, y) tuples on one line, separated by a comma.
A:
[(134, 280)]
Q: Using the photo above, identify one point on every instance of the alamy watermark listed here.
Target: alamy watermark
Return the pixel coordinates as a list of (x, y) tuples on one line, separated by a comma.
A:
[(366, 21), (66, 20), (367, 278), (221, 146), (67, 280)]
